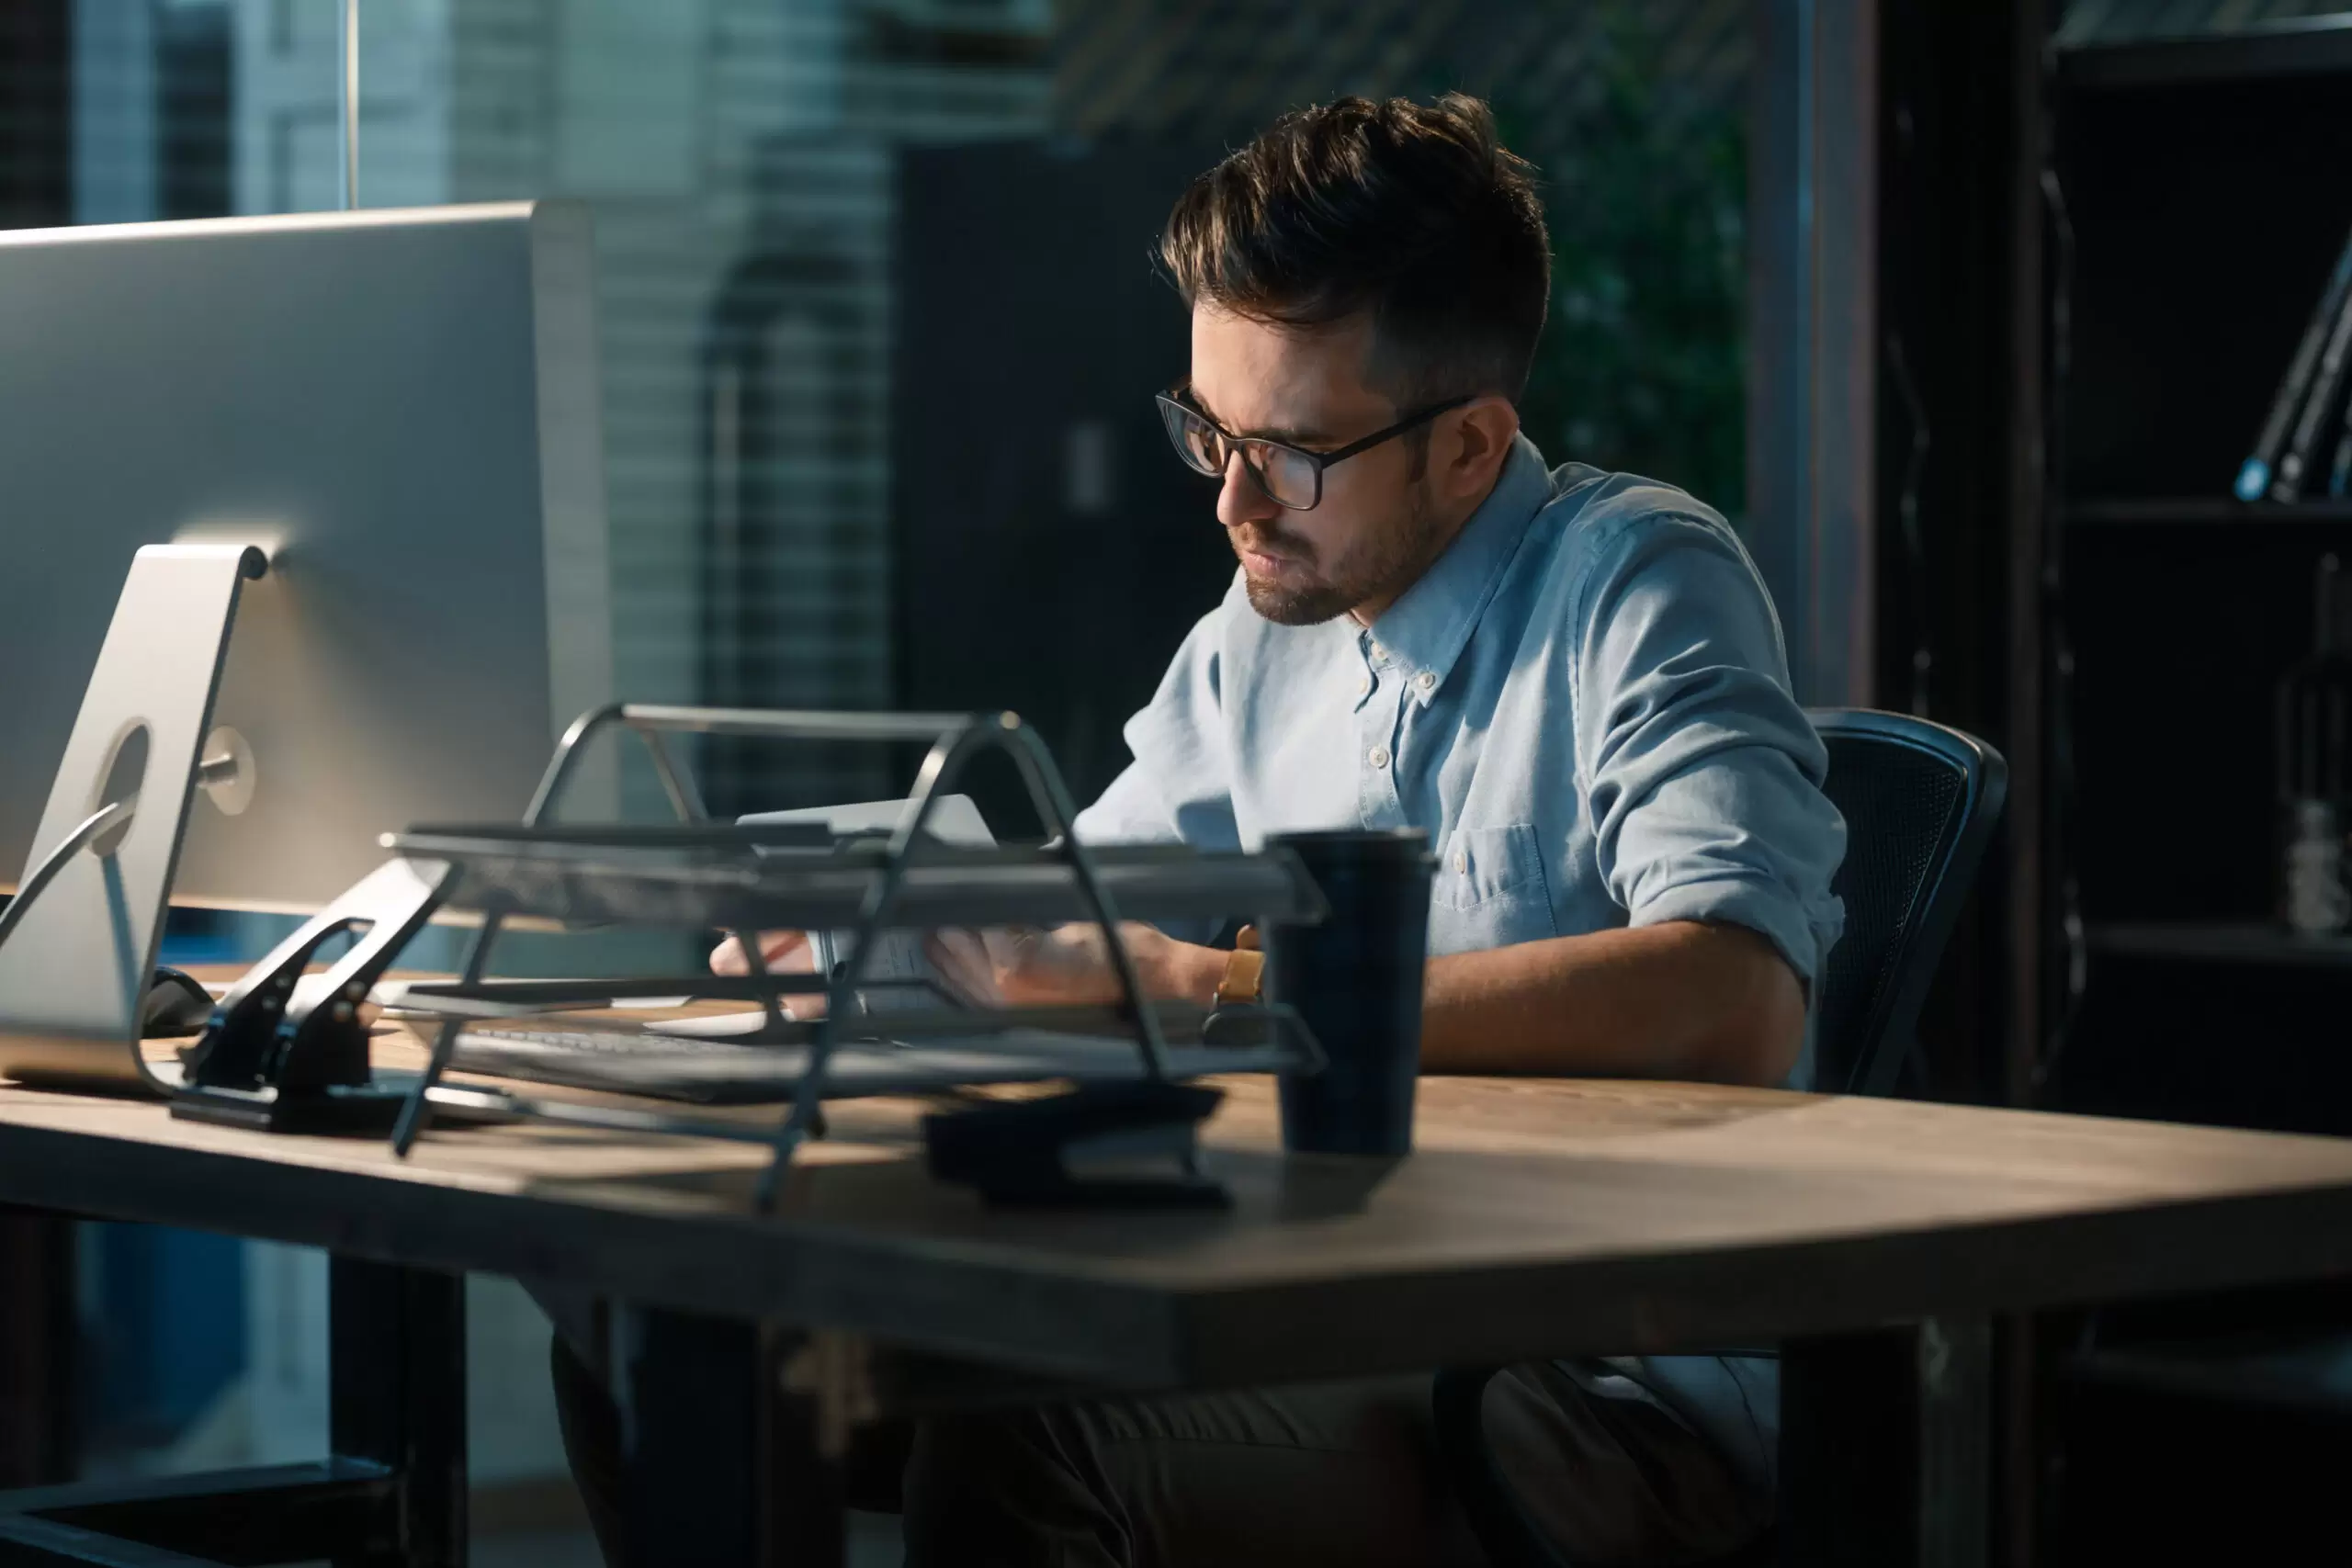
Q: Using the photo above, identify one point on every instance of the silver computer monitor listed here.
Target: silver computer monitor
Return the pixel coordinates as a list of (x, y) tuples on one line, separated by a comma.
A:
[(402, 407)]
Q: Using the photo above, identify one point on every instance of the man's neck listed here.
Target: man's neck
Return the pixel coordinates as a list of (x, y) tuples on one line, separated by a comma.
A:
[(1371, 610)]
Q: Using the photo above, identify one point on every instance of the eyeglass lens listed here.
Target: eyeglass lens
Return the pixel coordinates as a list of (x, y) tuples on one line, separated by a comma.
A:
[(1287, 476)]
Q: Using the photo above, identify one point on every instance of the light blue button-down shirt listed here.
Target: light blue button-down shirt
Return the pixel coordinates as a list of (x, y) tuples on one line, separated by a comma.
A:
[(1585, 702)]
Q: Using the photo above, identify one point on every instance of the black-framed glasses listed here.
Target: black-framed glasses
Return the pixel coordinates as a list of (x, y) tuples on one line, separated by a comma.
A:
[(1290, 476)]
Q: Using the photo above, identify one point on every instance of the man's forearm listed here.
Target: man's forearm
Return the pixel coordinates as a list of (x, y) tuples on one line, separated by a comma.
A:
[(1677, 1000)]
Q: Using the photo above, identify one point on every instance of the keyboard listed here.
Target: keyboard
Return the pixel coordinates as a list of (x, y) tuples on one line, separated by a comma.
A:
[(713, 1072)]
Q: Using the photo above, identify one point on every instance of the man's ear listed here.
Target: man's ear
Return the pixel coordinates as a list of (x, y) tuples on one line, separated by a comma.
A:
[(1482, 437)]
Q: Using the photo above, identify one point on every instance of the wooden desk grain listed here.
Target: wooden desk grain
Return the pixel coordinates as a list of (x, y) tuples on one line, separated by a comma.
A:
[(1537, 1217)]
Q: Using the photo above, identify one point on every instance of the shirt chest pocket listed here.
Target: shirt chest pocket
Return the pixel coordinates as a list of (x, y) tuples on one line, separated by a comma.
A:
[(1489, 890)]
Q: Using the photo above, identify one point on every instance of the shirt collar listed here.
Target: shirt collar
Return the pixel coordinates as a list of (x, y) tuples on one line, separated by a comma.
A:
[(1425, 630)]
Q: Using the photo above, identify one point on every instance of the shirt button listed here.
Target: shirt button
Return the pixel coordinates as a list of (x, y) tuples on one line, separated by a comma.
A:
[(1363, 686), (1461, 863), (1425, 680), (1377, 756)]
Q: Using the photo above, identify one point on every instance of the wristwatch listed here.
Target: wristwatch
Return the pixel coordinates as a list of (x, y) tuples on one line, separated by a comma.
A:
[(1244, 968)]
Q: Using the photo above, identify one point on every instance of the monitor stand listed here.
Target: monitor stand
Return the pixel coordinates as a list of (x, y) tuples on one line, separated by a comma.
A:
[(78, 941)]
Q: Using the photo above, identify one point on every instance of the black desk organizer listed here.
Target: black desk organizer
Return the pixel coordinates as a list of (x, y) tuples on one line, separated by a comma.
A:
[(289, 1051)]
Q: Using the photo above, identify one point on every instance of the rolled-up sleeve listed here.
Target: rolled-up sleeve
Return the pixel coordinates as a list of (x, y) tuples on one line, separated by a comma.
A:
[(1701, 775)]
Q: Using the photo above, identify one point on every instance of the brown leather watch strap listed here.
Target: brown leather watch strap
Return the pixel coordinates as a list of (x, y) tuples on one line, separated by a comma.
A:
[(1244, 968)]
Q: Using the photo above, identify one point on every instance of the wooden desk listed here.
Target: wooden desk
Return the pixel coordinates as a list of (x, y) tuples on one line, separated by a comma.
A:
[(1537, 1218)]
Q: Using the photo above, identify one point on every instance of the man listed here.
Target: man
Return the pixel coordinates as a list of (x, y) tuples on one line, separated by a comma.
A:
[(1575, 683)]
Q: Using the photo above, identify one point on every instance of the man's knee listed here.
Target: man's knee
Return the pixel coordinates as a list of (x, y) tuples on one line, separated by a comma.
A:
[(1010, 1487), (1013, 1452)]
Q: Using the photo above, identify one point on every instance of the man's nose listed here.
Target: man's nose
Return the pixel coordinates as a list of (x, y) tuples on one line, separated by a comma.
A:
[(1240, 500)]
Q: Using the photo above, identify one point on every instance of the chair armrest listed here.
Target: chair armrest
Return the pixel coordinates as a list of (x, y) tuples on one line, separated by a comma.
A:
[(1508, 1537), (1506, 1533)]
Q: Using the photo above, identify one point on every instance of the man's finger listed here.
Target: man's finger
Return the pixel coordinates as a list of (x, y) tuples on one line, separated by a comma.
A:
[(776, 948)]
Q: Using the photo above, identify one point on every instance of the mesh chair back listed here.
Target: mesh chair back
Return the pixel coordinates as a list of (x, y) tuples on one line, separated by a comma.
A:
[(1920, 801)]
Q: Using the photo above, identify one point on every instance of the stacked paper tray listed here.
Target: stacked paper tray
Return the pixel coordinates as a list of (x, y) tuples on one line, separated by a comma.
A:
[(772, 877), (903, 1063), (754, 878)]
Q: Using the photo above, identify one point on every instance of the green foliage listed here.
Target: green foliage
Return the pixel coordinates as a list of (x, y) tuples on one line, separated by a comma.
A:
[(1643, 362)]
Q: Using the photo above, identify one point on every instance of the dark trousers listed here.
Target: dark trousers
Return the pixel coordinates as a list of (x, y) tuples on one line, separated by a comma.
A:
[(1327, 1472)]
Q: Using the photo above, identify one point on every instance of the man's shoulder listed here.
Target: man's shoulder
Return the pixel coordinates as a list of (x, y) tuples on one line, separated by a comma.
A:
[(1597, 509), (1605, 525)]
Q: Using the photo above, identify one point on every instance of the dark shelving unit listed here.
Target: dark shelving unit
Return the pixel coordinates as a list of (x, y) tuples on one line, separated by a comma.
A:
[(2222, 510), (2288, 47), (2219, 942), (2176, 607), (2192, 228)]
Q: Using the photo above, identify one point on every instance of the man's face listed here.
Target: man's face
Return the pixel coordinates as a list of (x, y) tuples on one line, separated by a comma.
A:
[(1376, 530)]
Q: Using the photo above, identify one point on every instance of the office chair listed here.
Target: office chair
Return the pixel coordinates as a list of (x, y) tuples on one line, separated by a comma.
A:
[(1920, 802)]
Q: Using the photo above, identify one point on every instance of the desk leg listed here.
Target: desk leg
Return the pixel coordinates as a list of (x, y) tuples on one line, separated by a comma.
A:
[(37, 1331), (722, 1465), (1885, 1447), (397, 1397)]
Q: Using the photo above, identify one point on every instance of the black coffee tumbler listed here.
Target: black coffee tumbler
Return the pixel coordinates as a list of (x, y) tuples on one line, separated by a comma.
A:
[(1356, 980)]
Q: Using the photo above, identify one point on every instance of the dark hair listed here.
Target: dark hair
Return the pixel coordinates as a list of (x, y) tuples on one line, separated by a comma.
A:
[(1412, 214)]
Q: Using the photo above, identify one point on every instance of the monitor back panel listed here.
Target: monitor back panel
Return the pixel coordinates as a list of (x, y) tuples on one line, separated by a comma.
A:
[(402, 407)]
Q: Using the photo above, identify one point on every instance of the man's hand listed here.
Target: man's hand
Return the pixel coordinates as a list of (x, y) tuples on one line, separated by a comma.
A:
[(1015, 967), (780, 952), (1071, 964)]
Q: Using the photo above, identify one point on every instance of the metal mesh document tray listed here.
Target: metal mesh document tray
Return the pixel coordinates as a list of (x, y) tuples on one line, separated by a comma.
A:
[(284, 1046)]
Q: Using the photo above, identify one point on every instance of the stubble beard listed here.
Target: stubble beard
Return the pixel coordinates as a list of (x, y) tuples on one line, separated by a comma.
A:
[(1382, 568)]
